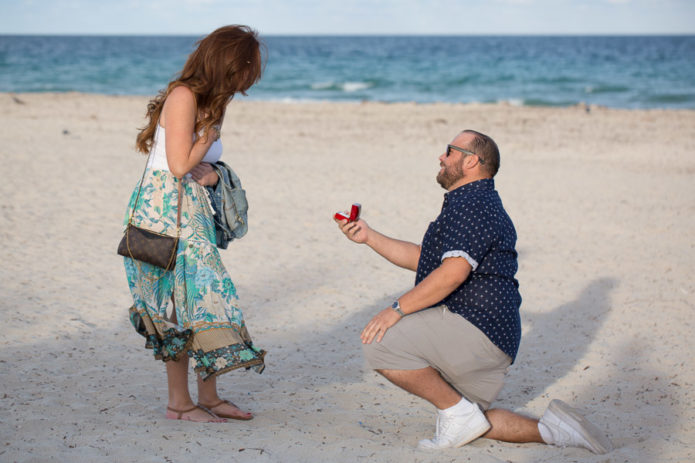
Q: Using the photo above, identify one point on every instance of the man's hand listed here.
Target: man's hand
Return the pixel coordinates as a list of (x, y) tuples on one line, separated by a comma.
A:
[(378, 325), (204, 174), (355, 231)]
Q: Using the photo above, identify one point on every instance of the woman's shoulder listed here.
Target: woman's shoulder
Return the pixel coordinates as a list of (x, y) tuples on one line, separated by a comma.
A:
[(180, 100), (181, 94)]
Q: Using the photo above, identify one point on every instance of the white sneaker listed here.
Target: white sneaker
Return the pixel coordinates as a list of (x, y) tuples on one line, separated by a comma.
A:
[(564, 426), (456, 429)]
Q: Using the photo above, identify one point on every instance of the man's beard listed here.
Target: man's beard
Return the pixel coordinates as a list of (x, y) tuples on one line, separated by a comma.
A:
[(450, 175)]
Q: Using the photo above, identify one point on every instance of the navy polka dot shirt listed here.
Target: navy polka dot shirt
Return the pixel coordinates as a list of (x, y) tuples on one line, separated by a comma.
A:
[(474, 225)]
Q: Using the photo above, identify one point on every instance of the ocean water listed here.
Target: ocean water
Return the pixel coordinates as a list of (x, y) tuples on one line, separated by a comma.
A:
[(620, 72)]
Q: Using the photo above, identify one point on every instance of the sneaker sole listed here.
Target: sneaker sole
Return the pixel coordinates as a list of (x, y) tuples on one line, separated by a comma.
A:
[(597, 440)]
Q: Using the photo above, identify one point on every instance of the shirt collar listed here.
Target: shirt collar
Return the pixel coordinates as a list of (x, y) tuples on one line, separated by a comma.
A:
[(485, 184)]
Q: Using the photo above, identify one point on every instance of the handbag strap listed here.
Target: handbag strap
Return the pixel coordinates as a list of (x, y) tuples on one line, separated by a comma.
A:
[(178, 205), (178, 216)]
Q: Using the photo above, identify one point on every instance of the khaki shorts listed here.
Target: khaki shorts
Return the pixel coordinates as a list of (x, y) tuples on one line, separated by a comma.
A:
[(443, 340)]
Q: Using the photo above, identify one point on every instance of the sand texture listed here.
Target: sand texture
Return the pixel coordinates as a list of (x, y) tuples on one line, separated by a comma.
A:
[(604, 205)]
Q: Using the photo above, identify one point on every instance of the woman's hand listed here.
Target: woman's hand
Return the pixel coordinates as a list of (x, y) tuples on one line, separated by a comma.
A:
[(204, 174)]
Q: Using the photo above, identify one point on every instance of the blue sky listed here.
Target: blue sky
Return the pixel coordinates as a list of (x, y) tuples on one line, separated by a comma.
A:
[(196, 17)]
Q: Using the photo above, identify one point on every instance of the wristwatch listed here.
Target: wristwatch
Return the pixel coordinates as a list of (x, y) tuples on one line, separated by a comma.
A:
[(397, 308)]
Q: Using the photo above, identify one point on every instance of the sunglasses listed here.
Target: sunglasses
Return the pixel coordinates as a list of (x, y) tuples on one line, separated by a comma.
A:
[(461, 150)]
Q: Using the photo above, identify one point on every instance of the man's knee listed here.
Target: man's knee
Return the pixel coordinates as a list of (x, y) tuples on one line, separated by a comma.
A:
[(371, 352)]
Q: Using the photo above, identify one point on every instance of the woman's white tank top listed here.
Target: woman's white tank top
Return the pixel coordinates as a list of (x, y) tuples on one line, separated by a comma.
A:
[(158, 159)]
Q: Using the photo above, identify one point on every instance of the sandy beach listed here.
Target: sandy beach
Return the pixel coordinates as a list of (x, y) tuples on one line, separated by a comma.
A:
[(604, 206)]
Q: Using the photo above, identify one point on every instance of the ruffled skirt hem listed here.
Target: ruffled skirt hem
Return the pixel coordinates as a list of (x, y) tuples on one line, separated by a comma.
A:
[(168, 343)]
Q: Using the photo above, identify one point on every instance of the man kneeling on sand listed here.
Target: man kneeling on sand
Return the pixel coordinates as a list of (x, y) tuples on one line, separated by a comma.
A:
[(451, 338)]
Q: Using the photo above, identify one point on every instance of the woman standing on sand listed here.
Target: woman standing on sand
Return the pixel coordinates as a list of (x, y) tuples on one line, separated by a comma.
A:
[(189, 311)]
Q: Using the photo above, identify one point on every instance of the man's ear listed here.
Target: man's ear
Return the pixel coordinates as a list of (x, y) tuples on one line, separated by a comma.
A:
[(469, 162)]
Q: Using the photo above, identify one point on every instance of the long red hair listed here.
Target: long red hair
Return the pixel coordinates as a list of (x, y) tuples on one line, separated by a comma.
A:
[(226, 62)]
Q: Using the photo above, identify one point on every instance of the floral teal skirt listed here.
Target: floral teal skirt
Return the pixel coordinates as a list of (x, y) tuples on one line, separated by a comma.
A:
[(189, 310)]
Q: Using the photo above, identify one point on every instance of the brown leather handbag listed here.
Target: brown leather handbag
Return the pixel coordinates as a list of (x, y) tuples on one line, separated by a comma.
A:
[(147, 246)]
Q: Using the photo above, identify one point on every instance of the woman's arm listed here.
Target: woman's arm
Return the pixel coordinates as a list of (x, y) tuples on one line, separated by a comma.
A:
[(178, 118)]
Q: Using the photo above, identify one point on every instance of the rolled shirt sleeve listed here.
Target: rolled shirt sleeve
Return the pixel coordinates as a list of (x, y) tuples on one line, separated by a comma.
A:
[(467, 232)]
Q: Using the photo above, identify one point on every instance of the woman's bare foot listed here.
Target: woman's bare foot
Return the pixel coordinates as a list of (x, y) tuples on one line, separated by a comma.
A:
[(195, 414), (226, 409)]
